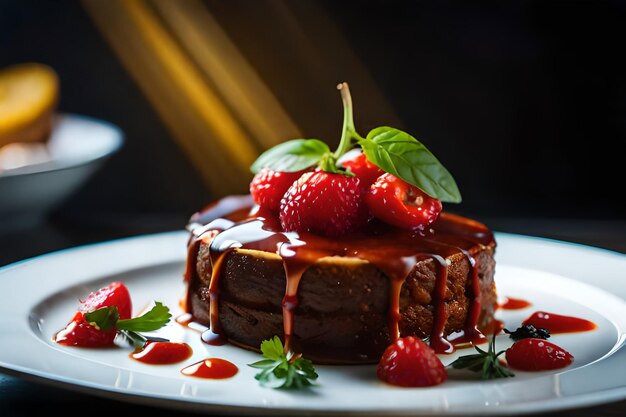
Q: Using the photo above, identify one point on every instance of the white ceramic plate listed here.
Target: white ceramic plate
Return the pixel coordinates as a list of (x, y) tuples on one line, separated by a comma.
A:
[(38, 296)]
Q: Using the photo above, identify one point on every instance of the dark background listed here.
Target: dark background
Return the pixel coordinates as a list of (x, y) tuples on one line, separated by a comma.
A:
[(524, 102)]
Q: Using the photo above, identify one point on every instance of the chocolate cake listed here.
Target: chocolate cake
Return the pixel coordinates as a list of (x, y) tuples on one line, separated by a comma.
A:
[(338, 300)]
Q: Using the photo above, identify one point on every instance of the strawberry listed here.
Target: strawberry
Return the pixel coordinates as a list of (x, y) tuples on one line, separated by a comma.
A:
[(114, 294), (323, 202), (268, 187), (367, 172), (401, 204), (409, 362), (80, 333), (537, 355)]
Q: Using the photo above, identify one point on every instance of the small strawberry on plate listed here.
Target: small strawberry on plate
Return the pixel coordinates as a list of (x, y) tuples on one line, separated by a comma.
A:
[(409, 362)]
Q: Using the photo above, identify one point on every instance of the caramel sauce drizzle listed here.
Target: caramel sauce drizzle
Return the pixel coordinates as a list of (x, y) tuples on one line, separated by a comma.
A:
[(293, 272), (235, 223), (438, 341), (214, 335)]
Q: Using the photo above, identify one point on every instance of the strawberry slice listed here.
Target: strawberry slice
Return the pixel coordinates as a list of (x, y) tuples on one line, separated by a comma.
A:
[(401, 204), (537, 355), (409, 362), (80, 333)]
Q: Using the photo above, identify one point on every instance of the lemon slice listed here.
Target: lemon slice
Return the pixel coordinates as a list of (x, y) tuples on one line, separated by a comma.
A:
[(28, 95)]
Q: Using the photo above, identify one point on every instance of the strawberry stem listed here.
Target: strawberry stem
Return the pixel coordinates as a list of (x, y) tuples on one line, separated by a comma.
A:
[(328, 163), (348, 131)]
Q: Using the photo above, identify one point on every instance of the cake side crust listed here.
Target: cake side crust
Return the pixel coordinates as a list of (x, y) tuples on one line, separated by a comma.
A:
[(341, 315)]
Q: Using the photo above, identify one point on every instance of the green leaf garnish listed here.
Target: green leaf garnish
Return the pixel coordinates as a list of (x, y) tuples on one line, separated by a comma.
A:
[(282, 370), (487, 363), (103, 318), (137, 340), (107, 318), (400, 154), (291, 156), (273, 349), (154, 319)]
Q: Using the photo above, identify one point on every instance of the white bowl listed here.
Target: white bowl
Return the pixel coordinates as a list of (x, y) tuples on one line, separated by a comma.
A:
[(77, 147)]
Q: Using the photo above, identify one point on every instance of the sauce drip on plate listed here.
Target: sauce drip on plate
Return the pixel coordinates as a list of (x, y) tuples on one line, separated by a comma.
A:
[(211, 368), (557, 323), (162, 353), (511, 303)]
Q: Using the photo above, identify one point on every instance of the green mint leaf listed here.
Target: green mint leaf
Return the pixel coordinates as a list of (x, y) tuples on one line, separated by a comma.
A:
[(154, 319), (282, 370), (400, 154), (486, 363), (103, 318), (291, 156)]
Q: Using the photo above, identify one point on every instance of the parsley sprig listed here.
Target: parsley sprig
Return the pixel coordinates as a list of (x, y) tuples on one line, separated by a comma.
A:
[(487, 363), (282, 370), (107, 318)]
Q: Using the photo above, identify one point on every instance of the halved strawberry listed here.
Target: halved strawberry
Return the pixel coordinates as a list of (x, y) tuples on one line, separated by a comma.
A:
[(537, 355), (409, 362), (80, 333), (401, 204), (115, 294)]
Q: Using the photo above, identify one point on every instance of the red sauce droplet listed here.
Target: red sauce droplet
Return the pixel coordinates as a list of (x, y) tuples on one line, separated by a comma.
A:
[(211, 368), (511, 303), (162, 353), (559, 324)]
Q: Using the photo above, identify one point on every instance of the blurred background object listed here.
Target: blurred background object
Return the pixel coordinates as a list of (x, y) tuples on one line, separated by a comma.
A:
[(39, 177), (44, 156), (28, 96), (524, 102)]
